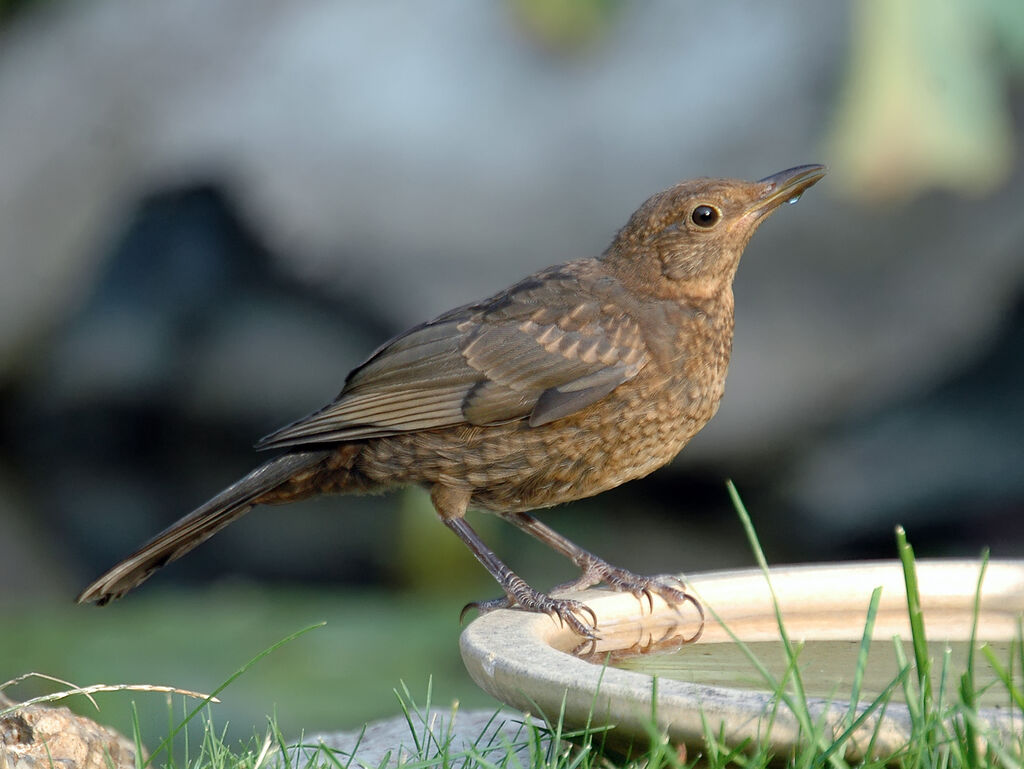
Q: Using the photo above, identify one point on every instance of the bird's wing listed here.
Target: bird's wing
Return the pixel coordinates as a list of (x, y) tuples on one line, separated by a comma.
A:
[(543, 349)]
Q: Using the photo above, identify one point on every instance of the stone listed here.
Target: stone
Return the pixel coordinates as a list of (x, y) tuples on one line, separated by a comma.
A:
[(42, 737)]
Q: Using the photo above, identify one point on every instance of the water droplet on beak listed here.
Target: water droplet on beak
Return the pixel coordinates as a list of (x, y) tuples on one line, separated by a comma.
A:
[(794, 199)]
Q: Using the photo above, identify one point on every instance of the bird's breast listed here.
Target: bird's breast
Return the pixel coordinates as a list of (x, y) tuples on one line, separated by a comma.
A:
[(640, 426)]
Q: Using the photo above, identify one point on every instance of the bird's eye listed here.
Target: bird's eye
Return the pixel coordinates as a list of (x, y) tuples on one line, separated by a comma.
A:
[(705, 216)]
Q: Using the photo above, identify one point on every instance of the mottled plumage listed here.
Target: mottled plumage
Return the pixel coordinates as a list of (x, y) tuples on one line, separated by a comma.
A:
[(579, 378)]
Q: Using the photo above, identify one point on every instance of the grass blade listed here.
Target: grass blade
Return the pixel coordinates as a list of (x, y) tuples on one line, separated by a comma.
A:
[(916, 615), (797, 703), (862, 654), (231, 679)]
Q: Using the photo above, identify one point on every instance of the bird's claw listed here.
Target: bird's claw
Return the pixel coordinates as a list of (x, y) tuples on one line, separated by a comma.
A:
[(571, 612), (484, 606), (579, 617), (669, 588)]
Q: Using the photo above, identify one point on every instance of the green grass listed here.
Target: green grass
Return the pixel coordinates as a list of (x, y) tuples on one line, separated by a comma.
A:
[(946, 729), (337, 677)]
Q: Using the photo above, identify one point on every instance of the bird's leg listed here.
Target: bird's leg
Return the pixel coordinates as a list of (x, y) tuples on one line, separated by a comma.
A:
[(451, 506), (595, 569)]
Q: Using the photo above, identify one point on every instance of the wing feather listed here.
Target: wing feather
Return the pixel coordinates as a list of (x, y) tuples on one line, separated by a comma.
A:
[(539, 351)]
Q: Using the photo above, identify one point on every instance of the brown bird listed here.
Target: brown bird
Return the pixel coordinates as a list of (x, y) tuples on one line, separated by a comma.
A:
[(579, 378)]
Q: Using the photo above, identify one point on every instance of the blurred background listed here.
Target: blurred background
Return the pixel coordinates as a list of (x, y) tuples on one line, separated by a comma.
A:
[(209, 213)]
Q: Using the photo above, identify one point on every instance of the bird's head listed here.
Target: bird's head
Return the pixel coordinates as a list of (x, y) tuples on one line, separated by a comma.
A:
[(688, 239)]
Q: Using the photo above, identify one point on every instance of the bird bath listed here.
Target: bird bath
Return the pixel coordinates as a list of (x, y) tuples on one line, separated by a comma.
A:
[(528, 661)]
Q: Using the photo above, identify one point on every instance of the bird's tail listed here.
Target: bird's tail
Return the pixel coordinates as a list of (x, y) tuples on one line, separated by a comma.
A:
[(199, 525)]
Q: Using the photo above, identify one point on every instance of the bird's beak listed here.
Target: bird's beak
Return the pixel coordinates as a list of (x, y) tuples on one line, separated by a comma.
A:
[(785, 187)]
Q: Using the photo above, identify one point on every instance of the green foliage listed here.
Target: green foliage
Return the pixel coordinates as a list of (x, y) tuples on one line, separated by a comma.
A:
[(566, 25), (337, 677), (925, 99)]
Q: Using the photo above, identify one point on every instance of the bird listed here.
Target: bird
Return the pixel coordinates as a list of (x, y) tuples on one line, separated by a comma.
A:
[(576, 379)]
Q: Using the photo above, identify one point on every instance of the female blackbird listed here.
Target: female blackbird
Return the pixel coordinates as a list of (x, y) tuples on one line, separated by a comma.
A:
[(579, 378)]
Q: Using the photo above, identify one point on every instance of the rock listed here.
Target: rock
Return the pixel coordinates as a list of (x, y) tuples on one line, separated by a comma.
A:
[(43, 737), (946, 465), (392, 741)]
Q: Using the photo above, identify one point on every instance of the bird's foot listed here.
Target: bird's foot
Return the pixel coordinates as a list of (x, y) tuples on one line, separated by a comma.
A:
[(669, 588), (579, 617), (484, 607), (568, 611)]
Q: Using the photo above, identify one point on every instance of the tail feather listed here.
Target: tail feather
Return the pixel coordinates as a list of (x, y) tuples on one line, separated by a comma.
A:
[(198, 526)]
